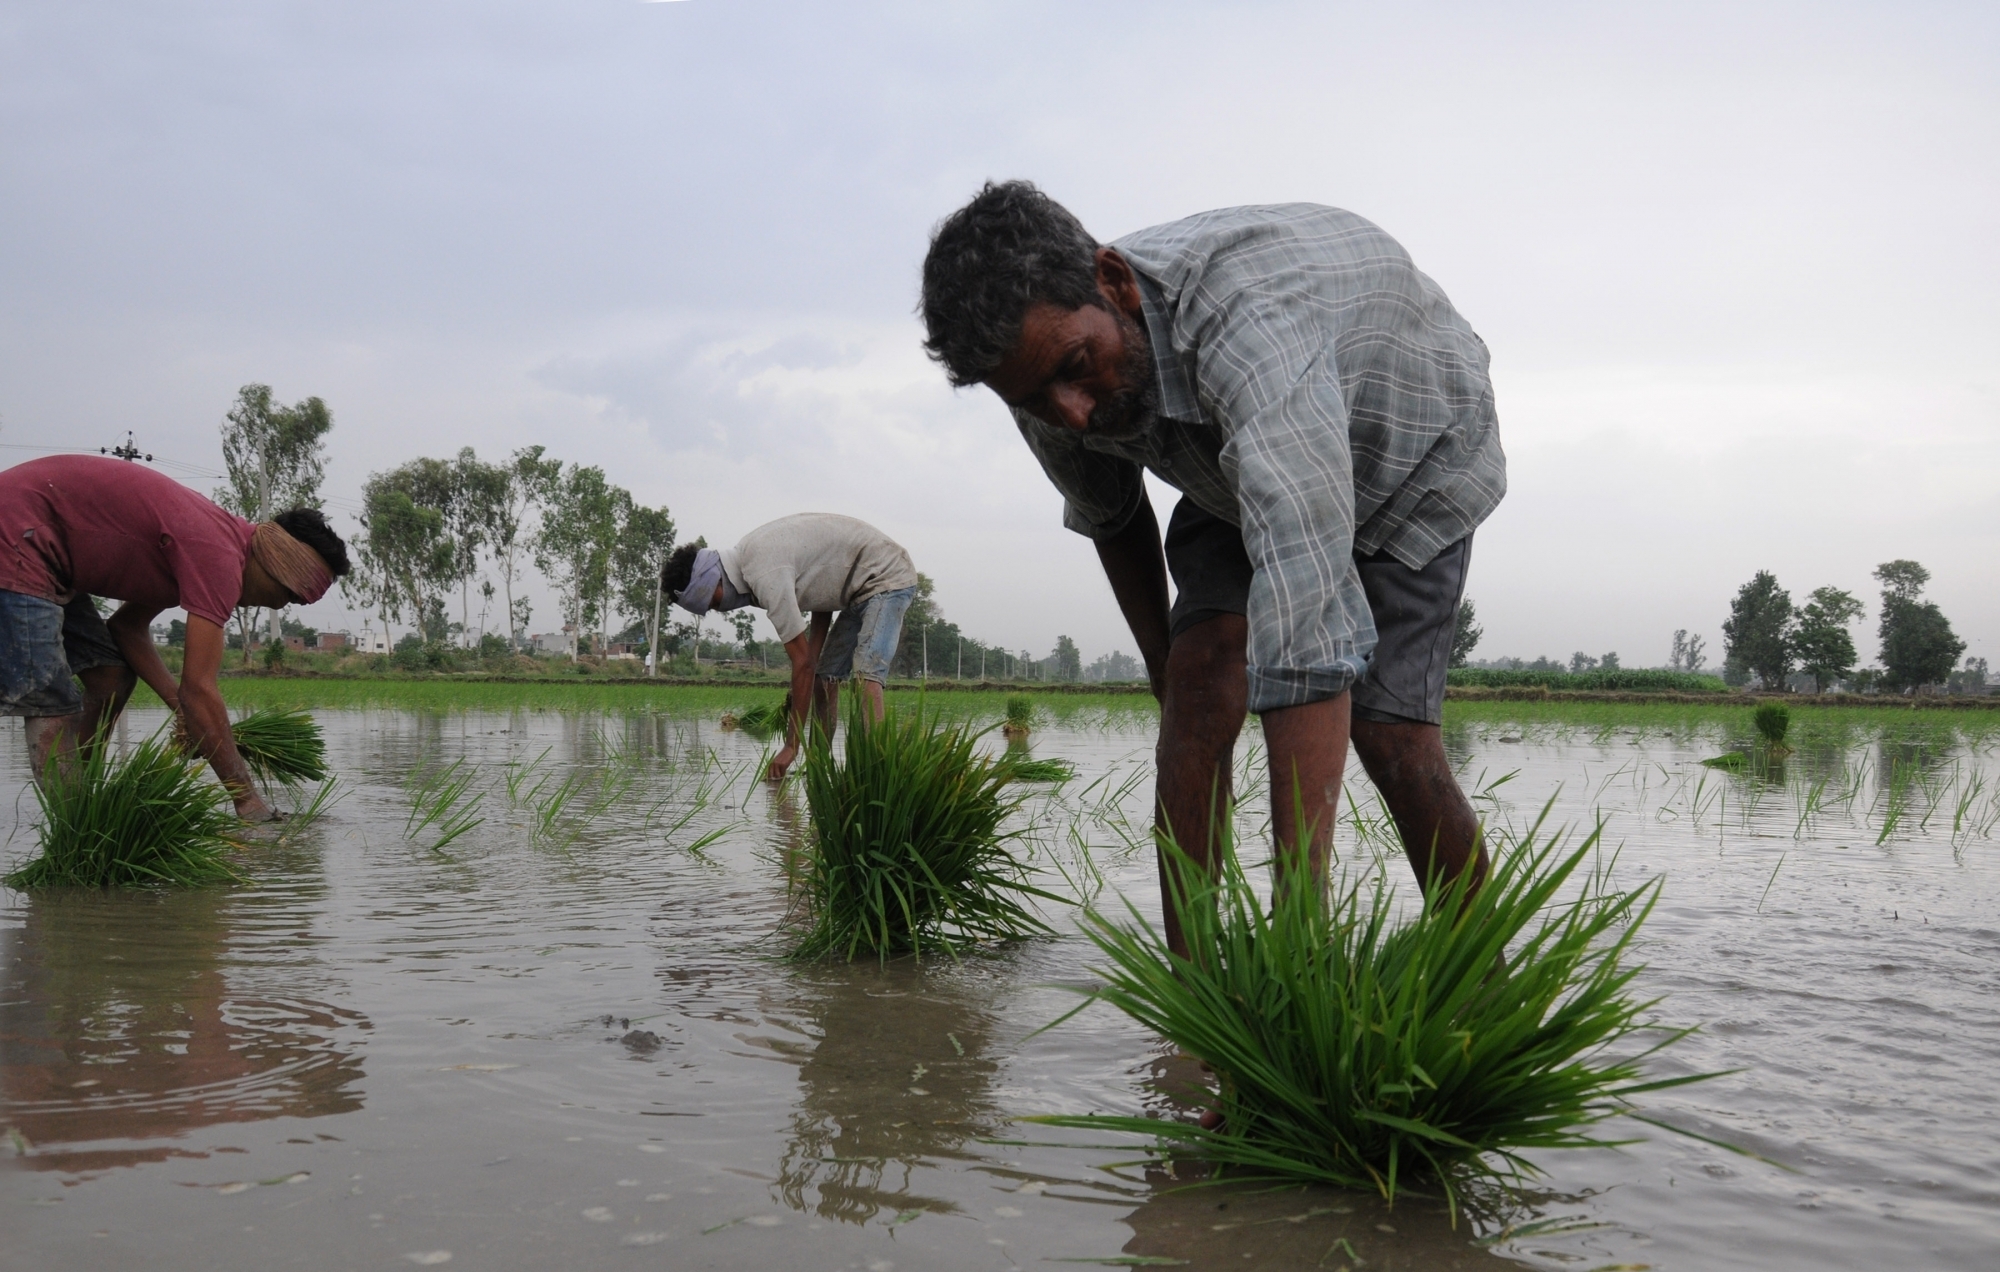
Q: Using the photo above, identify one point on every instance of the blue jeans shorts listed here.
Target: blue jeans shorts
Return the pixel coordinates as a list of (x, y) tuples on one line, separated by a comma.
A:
[(42, 645), (864, 637)]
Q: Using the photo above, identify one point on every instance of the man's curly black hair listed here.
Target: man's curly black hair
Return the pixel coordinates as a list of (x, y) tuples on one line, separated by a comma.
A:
[(308, 526), (988, 262)]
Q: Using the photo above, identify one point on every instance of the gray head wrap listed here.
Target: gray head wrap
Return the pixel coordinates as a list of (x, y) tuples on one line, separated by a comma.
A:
[(700, 591)]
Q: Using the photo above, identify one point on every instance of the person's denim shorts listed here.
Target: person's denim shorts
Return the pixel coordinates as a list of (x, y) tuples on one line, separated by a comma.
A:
[(42, 645), (864, 637)]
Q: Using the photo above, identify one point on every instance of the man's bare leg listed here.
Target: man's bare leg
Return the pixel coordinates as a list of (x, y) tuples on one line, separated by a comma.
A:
[(105, 690), (1439, 830), (826, 702), (1307, 746), (1201, 714)]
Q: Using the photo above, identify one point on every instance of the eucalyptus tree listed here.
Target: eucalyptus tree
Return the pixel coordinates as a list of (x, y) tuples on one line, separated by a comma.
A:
[(527, 478), (276, 458), (408, 557), (573, 546), (405, 556), (645, 541), (477, 490)]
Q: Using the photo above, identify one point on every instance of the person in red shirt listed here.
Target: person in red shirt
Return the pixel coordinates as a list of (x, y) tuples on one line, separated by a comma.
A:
[(73, 527)]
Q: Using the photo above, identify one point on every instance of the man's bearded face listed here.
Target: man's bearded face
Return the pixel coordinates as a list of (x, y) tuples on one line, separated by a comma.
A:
[(1132, 409)]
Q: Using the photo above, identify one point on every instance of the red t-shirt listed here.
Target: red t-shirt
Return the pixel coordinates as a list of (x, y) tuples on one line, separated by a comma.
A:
[(88, 524)]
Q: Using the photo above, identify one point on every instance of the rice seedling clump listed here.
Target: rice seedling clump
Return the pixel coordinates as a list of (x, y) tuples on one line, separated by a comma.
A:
[(1356, 1050), (282, 745), (145, 819), (1772, 721), (1020, 715), (907, 854)]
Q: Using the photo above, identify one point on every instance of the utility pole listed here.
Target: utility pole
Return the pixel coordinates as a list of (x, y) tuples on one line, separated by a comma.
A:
[(274, 632), (653, 643)]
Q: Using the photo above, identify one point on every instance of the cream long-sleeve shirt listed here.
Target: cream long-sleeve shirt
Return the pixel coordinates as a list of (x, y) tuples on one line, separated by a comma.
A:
[(815, 562)]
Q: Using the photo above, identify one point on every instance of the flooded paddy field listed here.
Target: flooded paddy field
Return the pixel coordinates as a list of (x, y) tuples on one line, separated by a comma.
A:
[(517, 1000)]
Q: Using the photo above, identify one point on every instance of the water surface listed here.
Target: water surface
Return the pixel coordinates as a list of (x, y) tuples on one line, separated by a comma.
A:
[(570, 1041)]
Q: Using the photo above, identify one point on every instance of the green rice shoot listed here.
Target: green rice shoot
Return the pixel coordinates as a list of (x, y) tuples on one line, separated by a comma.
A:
[(1020, 712), (906, 853), (1362, 1051), (145, 819), (282, 745)]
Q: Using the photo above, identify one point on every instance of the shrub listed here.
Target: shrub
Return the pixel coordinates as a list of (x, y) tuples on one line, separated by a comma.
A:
[(906, 853), (1357, 1051), (1636, 681), (145, 819)]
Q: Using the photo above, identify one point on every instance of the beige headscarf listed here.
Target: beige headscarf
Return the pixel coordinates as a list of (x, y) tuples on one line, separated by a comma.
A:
[(301, 571)]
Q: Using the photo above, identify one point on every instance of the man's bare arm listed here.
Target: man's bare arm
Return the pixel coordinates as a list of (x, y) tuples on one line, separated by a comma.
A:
[(1137, 569), (207, 718), (132, 629), (803, 651)]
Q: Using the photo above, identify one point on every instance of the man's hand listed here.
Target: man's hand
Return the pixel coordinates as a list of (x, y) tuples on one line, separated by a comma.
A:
[(781, 762), (207, 719), (803, 651)]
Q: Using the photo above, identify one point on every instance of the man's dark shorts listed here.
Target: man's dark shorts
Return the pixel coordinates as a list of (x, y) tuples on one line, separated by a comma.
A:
[(1416, 611), (42, 645)]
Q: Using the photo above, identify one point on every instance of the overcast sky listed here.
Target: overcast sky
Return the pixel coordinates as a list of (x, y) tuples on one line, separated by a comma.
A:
[(1736, 263)]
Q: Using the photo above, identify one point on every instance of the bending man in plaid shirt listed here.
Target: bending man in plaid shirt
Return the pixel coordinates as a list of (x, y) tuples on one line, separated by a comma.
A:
[(1327, 417)]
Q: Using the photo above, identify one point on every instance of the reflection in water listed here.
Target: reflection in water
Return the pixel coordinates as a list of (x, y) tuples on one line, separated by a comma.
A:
[(118, 1023), (901, 1074)]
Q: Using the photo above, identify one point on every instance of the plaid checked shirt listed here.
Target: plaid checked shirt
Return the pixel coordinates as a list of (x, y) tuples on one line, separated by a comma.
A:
[(1317, 391)]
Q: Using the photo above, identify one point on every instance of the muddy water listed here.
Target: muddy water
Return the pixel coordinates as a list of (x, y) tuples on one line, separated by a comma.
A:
[(569, 1041)]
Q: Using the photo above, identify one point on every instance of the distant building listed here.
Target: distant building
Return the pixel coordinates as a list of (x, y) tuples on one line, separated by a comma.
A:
[(371, 641), (332, 642), (550, 643), (297, 644)]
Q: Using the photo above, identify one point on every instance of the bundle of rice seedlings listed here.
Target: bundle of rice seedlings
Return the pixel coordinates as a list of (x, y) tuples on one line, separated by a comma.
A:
[(1020, 714), (1772, 721), (906, 853), (144, 819), (282, 745), (1026, 770), (1360, 1051), (760, 722)]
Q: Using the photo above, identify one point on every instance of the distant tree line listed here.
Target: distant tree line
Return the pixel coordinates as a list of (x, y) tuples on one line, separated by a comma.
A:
[(1769, 638)]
